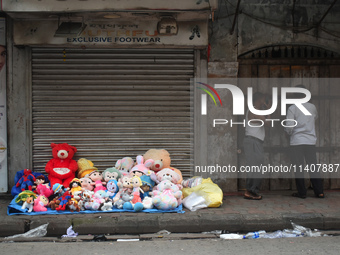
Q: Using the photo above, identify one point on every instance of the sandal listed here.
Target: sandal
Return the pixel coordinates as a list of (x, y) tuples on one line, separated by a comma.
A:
[(298, 195), (252, 196), (320, 195)]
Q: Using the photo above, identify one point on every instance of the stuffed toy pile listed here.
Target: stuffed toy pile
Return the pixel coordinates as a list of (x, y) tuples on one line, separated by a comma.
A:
[(149, 182)]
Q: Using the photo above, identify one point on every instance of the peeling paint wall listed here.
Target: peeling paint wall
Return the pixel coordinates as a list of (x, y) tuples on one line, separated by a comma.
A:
[(265, 23)]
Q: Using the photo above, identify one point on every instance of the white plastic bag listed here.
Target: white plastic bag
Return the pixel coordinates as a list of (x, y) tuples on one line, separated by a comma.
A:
[(231, 236), (36, 232), (194, 202)]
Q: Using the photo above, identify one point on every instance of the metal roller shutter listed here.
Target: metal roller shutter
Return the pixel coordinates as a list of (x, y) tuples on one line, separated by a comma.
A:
[(112, 103)]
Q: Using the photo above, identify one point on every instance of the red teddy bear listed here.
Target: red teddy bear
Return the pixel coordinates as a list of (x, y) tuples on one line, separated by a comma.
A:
[(61, 169)]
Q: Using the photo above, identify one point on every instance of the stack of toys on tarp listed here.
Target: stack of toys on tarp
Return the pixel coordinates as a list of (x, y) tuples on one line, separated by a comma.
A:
[(149, 185)]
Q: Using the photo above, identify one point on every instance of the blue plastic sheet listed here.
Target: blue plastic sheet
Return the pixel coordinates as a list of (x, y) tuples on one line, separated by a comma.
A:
[(15, 209)]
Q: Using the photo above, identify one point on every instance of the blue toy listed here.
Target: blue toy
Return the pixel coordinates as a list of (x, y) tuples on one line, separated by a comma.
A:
[(127, 206), (18, 178), (63, 194), (147, 186), (138, 207), (112, 188), (26, 181)]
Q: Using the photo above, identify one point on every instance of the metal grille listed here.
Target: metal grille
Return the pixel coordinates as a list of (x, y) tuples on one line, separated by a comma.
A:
[(112, 103), (290, 52)]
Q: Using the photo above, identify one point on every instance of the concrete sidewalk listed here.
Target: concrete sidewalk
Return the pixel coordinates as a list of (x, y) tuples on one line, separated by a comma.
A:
[(273, 212)]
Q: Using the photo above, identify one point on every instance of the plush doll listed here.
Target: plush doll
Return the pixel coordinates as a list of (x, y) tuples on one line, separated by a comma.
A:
[(85, 167), (39, 180), (54, 203), (125, 186), (162, 160), (86, 197), (86, 184), (97, 178), (111, 174), (142, 167), (147, 203), (42, 187), (138, 207), (147, 185), (24, 195), (63, 196), (124, 197), (26, 181), (77, 195), (19, 174), (96, 201), (61, 169), (169, 174), (136, 190), (124, 165), (106, 202), (28, 204), (164, 198), (40, 204), (175, 188), (72, 205), (75, 186), (107, 206), (112, 188)]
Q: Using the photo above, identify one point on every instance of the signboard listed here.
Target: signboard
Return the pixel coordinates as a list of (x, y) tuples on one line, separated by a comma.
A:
[(95, 5), (128, 33), (3, 117)]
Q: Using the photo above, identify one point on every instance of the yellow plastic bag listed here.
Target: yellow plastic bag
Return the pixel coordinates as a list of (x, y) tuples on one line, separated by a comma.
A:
[(210, 191)]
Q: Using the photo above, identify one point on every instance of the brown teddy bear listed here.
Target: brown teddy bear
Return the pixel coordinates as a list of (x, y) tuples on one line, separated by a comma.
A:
[(162, 160), (54, 203)]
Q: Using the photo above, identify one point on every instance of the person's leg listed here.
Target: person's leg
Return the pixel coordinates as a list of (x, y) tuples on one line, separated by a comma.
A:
[(297, 158), (315, 177), (254, 184), (254, 155)]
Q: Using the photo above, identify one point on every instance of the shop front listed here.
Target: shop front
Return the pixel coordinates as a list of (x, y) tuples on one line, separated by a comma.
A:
[(112, 84)]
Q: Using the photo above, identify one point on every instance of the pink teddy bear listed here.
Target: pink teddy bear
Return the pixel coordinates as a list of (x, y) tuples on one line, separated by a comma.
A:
[(167, 196), (169, 174)]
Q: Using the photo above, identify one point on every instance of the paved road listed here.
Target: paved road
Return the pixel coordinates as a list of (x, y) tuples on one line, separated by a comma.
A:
[(305, 245)]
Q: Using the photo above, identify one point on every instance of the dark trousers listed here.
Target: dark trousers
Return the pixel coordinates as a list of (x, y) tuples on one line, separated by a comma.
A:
[(299, 155), (254, 155)]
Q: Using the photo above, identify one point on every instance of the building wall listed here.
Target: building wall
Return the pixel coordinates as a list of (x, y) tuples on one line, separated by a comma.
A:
[(266, 23), (18, 109), (259, 24)]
